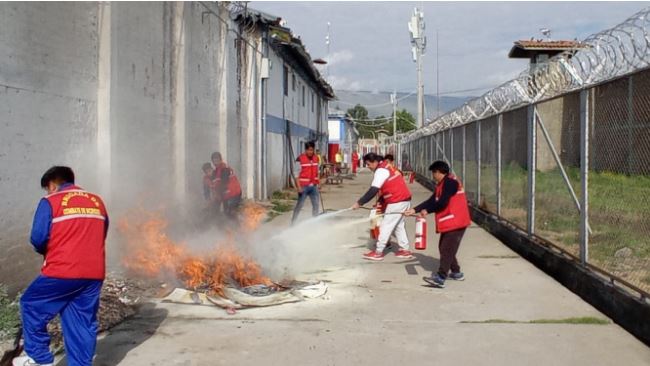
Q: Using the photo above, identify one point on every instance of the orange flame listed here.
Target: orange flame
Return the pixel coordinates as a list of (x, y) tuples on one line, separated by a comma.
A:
[(150, 253), (253, 215)]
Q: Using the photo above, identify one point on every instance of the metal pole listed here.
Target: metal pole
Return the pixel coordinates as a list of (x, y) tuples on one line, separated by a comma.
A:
[(478, 163), (532, 166), (444, 146), (584, 176), (420, 90), (464, 149), (499, 142), (451, 148), (394, 115), (437, 78)]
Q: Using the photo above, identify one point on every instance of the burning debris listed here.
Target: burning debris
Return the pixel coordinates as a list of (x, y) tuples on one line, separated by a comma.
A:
[(220, 275)]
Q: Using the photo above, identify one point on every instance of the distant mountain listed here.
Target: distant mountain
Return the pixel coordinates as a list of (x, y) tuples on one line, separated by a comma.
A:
[(379, 103)]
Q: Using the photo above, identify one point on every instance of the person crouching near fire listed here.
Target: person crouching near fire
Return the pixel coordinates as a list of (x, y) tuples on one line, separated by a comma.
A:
[(212, 205), (227, 187), (397, 198), (69, 230), (449, 204)]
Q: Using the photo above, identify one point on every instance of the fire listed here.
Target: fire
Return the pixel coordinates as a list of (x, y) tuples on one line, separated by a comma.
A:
[(150, 253), (253, 214)]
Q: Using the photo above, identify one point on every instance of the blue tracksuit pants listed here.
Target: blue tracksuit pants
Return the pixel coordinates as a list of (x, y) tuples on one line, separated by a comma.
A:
[(77, 301)]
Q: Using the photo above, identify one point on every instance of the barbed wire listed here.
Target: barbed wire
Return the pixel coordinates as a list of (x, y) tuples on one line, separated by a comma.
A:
[(603, 56)]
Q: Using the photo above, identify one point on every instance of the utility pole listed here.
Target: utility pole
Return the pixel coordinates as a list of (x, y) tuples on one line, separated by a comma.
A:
[(437, 78), (418, 45), (393, 99)]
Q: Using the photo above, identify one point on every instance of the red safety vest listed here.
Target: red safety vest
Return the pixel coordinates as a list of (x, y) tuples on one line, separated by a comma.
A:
[(394, 189), (233, 188), (76, 246), (308, 170), (456, 215)]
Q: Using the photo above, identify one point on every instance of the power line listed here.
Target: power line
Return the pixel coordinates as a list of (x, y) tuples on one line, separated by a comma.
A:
[(376, 105)]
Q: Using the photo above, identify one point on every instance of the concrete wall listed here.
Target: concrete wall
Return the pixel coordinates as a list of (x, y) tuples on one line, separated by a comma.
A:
[(133, 96), (48, 86)]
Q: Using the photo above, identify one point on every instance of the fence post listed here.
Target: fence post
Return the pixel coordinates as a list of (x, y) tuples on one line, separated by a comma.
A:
[(532, 162), (499, 133), (451, 148), (478, 163), (584, 175), (464, 145)]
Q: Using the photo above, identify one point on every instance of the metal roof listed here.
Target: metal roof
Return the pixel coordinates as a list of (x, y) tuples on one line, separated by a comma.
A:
[(289, 47)]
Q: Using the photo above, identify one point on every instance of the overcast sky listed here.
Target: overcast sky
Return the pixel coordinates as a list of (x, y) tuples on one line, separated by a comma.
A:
[(370, 48)]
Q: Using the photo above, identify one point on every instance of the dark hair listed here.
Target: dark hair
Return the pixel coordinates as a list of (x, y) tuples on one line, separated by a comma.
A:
[(389, 157), (372, 157), (216, 155), (57, 174), (309, 144), (206, 166), (439, 166)]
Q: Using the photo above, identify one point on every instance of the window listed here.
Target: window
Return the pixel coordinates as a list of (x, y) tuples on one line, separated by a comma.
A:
[(285, 79), (293, 82), (303, 96), (312, 102)]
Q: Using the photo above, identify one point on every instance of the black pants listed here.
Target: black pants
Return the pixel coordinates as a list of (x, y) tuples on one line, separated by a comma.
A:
[(448, 247)]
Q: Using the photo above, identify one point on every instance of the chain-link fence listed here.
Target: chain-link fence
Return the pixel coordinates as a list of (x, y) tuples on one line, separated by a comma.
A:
[(527, 150)]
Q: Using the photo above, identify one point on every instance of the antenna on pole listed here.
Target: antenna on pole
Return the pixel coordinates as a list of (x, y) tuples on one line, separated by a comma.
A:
[(418, 45)]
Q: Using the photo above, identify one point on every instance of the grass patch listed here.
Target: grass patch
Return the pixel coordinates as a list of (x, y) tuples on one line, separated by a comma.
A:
[(619, 214), (282, 206), (580, 320), (279, 206), (9, 314), (288, 195)]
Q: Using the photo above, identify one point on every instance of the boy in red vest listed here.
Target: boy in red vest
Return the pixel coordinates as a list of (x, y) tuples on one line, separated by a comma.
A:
[(227, 187), (69, 230), (452, 218), (308, 182), (390, 184)]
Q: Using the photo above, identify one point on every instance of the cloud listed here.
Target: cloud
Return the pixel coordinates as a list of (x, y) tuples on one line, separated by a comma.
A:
[(343, 83), (371, 49), (339, 57)]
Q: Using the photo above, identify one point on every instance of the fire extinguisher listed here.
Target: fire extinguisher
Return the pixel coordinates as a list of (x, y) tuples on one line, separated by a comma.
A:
[(411, 177), (420, 233)]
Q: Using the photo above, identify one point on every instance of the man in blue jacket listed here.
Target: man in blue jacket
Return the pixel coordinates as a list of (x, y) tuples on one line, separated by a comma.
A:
[(69, 230)]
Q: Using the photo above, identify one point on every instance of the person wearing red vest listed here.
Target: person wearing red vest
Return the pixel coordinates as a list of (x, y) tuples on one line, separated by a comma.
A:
[(391, 185), (69, 230), (227, 187), (452, 218), (355, 162), (308, 182)]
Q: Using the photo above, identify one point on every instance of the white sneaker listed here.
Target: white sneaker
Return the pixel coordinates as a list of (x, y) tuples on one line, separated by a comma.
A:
[(27, 361)]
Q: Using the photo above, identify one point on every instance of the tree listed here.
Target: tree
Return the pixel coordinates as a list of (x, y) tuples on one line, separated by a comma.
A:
[(405, 121), (359, 112), (368, 127)]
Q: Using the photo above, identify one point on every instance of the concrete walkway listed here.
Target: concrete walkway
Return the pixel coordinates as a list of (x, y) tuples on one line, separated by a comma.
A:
[(380, 314)]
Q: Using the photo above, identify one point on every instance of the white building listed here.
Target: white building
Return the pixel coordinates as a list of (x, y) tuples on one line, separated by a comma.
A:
[(294, 99)]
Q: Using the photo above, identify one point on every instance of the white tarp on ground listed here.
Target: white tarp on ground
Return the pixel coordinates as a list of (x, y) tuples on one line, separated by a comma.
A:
[(236, 299)]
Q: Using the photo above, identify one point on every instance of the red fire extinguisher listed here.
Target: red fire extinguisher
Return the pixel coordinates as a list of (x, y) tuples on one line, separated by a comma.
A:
[(411, 177), (420, 233)]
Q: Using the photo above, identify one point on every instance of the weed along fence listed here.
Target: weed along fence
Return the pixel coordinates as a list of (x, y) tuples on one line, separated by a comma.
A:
[(563, 152)]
